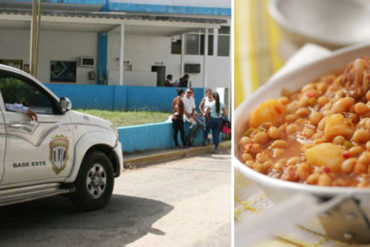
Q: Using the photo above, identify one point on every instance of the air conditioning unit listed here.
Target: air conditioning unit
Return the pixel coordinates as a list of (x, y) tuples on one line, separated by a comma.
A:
[(87, 62), (192, 68)]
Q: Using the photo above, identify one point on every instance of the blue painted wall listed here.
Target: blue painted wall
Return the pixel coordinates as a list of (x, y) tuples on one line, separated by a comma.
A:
[(166, 9), (147, 8), (94, 2), (151, 136), (119, 97)]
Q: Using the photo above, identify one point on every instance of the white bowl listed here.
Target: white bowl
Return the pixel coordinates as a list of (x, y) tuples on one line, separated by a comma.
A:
[(279, 190), (330, 23), (293, 80)]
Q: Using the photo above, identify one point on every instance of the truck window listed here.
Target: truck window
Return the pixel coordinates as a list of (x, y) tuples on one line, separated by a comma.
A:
[(15, 90)]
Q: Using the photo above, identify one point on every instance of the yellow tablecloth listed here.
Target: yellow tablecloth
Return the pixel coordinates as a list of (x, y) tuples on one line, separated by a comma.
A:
[(257, 40)]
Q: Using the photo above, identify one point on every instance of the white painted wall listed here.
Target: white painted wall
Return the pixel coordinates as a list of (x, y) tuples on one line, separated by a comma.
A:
[(198, 3), (54, 45), (141, 51), (144, 51)]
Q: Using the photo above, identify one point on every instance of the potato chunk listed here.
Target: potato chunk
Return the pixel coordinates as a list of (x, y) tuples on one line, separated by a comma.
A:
[(269, 111), (326, 154), (338, 125)]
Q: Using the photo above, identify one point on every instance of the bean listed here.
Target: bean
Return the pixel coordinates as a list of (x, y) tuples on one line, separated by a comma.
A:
[(343, 104), (261, 138), (291, 118), (278, 165), (324, 180), (303, 112), (321, 87), (282, 127), (322, 100), (321, 125), (308, 87), (303, 171), (360, 168), (340, 94), (267, 125), (313, 178), (308, 132), (368, 95), (267, 165), (290, 174), (355, 150), (327, 106), (262, 158), (292, 107), (364, 123), (293, 161), (303, 102), (259, 168), (361, 136), (360, 108), (318, 135), (246, 156), (364, 158), (353, 117), (368, 146), (250, 164), (273, 132), (279, 144), (292, 128), (255, 148), (339, 140), (244, 140), (284, 100), (315, 118), (348, 164), (277, 152)]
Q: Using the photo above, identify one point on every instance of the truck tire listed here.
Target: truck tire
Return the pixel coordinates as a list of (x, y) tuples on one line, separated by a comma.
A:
[(95, 181)]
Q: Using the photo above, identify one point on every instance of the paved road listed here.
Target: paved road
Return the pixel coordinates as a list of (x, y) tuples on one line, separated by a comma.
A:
[(179, 203)]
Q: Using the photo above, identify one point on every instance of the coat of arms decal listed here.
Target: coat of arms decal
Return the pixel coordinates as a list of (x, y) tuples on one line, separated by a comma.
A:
[(59, 147)]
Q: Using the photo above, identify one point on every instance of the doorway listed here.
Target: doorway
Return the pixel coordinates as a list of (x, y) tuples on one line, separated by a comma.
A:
[(161, 74)]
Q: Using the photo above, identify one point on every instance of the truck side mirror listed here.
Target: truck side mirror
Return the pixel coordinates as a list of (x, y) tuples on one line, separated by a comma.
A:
[(65, 104)]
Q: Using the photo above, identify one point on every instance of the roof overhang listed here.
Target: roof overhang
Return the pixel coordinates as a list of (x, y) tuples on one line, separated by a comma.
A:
[(108, 21)]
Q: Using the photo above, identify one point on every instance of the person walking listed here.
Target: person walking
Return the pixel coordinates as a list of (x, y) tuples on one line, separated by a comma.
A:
[(177, 118), (216, 111), (204, 104)]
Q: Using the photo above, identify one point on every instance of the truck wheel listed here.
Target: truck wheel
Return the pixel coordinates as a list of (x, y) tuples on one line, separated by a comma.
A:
[(95, 181)]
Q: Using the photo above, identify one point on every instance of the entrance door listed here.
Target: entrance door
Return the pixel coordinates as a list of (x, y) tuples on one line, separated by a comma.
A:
[(161, 74)]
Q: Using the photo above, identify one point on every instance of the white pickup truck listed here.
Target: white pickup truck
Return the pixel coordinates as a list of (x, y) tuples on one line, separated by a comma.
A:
[(64, 151)]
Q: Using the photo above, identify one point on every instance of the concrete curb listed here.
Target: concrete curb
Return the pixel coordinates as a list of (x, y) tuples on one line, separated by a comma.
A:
[(142, 160)]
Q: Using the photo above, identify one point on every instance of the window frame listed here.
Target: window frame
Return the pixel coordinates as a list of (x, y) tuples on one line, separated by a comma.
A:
[(53, 100)]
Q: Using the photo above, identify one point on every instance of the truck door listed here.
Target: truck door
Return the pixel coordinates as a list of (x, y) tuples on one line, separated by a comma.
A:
[(36, 151)]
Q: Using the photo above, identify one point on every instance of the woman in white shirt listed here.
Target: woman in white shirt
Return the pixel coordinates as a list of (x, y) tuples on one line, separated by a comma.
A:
[(204, 104), (216, 111)]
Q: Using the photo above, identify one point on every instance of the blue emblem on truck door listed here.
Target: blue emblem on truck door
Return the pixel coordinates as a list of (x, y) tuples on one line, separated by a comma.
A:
[(59, 147)]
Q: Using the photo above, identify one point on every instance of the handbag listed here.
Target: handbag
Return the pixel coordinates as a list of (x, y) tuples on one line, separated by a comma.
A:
[(226, 126)]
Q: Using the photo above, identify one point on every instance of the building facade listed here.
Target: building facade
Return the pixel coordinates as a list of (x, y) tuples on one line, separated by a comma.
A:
[(121, 42)]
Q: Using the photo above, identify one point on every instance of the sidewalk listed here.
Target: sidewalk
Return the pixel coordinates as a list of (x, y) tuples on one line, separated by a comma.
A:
[(145, 159)]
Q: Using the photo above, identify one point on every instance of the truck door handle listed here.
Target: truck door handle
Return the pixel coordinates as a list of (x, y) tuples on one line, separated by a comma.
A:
[(17, 125)]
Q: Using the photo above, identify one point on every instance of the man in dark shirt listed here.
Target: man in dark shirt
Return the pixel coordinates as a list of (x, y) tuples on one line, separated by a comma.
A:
[(177, 117), (183, 82), (168, 81)]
